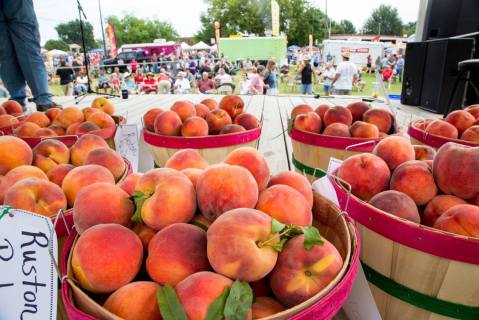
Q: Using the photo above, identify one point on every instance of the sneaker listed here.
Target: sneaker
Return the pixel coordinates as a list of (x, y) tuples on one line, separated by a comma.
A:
[(45, 107)]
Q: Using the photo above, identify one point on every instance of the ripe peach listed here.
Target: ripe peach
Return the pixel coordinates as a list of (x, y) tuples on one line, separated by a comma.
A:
[(394, 150), (443, 129), (194, 127), (201, 110), (474, 110), (423, 152), (232, 104), (338, 114), (296, 181), (129, 183), (301, 273), (461, 119), (27, 129), (2, 110), (265, 306), (337, 129), (248, 231), (167, 123), (12, 107), (58, 130), (102, 120), (86, 127), (52, 113), (149, 118), (90, 207), (422, 124), (68, 116), (99, 258), (109, 159), (222, 187), (210, 103), (83, 146), (135, 301), (14, 152), (437, 206), (232, 128), (381, 118), (73, 128), (471, 134), (36, 195), (361, 129), (50, 153), (247, 121), (396, 203), (104, 105), (18, 174), (83, 176), (87, 112), (186, 158), (184, 109), (58, 173), (462, 219), (192, 174), (299, 109), (321, 110), (252, 160), (216, 120), (7, 120), (45, 132), (358, 109), (145, 234), (366, 173), (309, 122), (176, 252), (38, 118)]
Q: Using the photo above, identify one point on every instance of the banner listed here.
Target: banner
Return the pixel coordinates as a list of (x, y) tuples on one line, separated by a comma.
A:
[(275, 18), (110, 33)]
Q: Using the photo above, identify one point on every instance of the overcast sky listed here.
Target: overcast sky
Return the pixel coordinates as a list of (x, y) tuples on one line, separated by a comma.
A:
[(185, 14)]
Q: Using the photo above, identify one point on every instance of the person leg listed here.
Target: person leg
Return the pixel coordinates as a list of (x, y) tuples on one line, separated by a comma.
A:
[(309, 88)]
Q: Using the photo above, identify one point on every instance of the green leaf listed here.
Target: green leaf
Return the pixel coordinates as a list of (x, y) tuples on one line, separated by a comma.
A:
[(238, 304), (199, 225), (276, 226), (217, 307), (170, 305), (280, 245), (139, 198), (291, 124), (311, 237)]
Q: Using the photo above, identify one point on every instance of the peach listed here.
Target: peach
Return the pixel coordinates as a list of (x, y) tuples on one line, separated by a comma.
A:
[(455, 170), (18, 174), (366, 173), (27, 129), (423, 152), (462, 219), (321, 110), (184, 109), (443, 129), (135, 301), (167, 123), (415, 179), (104, 105), (477, 122), (248, 231), (149, 118), (247, 121), (12, 107), (301, 273), (222, 187), (90, 207), (265, 306), (167, 197), (474, 110), (194, 127), (201, 222), (338, 114), (58, 130), (192, 174), (176, 252), (87, 112), (38, 118), (361, 129), (52, 113), (86, 127), (210, 103), (83, 146), (99, 260), (50, 153), (145, 234), (14, 152), (309, 122), (45, 132), (286, 205), (73, 128), (252, 160), (232, 104), (460, 119), (296, 181), (2, 110), (201, 110), (68, 116), (109, 159), (58, 173), (422, 124), (471, 134), (102, 120), (129, 183), (198, 291), (232, 128), (394, 150), (36, 195), (437, 206), (7, 120), (83, 176), (381, 118), (186, 158), (299, 109), (337, 129), (217, 119), (358, 109), (396, 203)]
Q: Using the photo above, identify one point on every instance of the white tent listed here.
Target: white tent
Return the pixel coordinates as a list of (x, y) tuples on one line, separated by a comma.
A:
[(200, 46), (56, 52), (185, 46)]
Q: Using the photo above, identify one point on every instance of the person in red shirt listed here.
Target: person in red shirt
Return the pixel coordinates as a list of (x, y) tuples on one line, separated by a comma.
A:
[(139, 77), (164, 82), (206, 85), (388, 75), (149, 84)]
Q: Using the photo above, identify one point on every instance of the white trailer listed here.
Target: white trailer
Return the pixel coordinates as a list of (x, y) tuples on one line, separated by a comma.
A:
[(359, 50)]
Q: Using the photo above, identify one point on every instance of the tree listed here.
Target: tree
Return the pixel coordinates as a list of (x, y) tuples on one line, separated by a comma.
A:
[(56, 44), (343, 27), (409, 28), (384, 20), (70, 33)]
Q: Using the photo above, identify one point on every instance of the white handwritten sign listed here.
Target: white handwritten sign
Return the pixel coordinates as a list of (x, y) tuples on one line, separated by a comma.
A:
[(28, 276), (126, 142)]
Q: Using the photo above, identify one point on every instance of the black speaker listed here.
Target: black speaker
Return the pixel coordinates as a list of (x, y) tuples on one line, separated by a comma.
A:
[(413, 73), (440, 72)]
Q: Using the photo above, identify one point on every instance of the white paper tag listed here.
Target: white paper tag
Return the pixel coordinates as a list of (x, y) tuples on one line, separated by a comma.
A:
[(324, 186), (28, 277), (127, 145), (334, 163)]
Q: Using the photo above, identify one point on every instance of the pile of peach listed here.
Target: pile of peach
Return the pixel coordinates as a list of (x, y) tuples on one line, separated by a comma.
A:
[(50, 176), (201, 234), (357, 120), (197, 120), (442, 193), (459, 124), (57, 122)]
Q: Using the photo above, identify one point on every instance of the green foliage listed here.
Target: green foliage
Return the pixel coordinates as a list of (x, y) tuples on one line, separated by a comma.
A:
[(56, 44), (238, 303), (343, 27), (217, 307), (386, 18), (170, 306), (409, 28), (70, 33)]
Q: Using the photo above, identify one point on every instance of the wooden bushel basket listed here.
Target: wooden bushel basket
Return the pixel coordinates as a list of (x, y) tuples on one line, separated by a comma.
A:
[(421, 137), (333, 225), (213, 148), (415, 272)]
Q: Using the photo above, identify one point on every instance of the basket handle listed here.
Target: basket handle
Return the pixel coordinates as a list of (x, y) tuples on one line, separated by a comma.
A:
[(373, 142), (59, 215)]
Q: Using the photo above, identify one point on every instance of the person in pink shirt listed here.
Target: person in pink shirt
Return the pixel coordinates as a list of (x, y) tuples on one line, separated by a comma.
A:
[(257, 82)]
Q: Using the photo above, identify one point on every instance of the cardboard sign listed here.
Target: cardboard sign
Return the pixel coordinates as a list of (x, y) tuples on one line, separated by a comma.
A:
[(126, 142), (28, 276)]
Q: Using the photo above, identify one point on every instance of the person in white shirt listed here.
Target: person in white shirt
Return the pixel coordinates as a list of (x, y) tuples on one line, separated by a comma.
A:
[(182, 85), (223, 77), (328, 75), (81, 82), (346, 76)]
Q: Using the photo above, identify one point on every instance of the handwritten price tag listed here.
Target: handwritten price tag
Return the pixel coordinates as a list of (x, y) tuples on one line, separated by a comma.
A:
[(126, 142)]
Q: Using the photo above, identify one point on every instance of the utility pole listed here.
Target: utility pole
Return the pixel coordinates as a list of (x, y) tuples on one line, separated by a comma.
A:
[(379, 28), (102, 29)]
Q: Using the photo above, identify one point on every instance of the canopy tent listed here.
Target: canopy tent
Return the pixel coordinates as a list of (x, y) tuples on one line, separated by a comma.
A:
[(185, 46), (201, 46), (56, 52), (294, 47)]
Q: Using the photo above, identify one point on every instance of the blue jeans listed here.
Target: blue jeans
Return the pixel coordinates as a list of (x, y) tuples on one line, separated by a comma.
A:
[(306, 88), (399, 73), (20, 58)]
